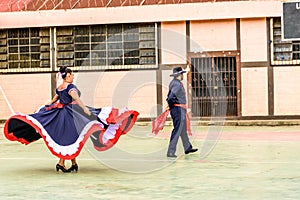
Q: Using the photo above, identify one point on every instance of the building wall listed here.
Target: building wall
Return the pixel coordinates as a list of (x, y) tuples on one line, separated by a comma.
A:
[(132, 89), (137, 89), (254, 83), (213, 35), (24, 93), (254, 80), (145, 13), (173, 42), (213, 27), (286, 90), (254, 41)]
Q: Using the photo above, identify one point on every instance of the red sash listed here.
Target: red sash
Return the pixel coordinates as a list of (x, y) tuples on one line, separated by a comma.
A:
[(58, 105), (159, 122)]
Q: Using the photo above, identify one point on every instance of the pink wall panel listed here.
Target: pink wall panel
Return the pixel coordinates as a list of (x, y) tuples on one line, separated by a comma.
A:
[(173, 42), (254, 40), (133, 89), (254, 88), (213, 35), (24, 93), (286, 90)]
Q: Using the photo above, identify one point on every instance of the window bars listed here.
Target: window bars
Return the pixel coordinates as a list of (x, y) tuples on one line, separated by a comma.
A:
[(283, 52), (97, 47), (214, 86)]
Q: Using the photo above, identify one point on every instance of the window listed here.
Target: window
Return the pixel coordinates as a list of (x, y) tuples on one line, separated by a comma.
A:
[(117, 46), (97, 47), (283, 52), (23, 50)]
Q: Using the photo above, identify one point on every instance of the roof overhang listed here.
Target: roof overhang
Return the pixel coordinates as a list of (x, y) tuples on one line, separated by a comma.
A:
[(139, 14)]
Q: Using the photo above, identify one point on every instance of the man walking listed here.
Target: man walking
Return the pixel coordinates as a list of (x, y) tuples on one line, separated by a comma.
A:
[(177, 104)]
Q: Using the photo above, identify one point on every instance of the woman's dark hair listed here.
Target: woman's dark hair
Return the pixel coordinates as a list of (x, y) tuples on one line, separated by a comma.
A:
[(64, 71)]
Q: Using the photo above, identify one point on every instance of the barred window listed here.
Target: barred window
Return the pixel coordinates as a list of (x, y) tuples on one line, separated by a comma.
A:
[(97, 47), (117, 46), (283, 52), (23, 50)]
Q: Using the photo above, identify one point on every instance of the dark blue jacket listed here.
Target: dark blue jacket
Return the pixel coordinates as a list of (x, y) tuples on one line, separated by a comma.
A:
[(176, 93)]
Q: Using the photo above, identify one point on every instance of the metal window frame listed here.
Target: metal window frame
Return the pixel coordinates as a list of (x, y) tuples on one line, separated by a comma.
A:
[(122, 66), (53, 45), (26, 69), (275, 62)]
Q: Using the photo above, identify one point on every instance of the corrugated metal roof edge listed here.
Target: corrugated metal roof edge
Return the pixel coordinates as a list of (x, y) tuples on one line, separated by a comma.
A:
[(31, 5)]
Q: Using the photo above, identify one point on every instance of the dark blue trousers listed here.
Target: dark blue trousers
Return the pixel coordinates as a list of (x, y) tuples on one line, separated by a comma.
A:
[(178, 115)]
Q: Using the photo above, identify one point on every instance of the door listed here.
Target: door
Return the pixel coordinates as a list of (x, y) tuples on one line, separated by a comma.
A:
[(214, 86)]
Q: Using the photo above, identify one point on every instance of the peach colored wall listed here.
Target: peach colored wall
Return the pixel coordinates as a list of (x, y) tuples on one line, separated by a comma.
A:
[(173, 42), (24, 92), (145, 13), (254, 91), (286, 90), (213, 35), (254, 40), (133, 89), (5, 109)]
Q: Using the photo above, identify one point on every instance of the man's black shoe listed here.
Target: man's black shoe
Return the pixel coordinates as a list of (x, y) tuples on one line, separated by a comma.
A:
[(191, 151), (171, 156)]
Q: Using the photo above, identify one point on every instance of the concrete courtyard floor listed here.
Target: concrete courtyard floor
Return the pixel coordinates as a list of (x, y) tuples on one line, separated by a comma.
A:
[(241, 162)]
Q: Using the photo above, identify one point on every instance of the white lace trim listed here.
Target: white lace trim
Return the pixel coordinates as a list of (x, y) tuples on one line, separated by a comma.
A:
[(110, 132), (112, 128), (104, 114)]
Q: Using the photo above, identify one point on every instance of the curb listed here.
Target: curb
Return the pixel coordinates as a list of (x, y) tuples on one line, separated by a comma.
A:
[(233, 123), (283, 122)]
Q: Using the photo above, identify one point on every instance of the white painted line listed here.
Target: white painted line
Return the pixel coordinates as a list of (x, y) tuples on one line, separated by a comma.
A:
[(5, 98), (166, 160)]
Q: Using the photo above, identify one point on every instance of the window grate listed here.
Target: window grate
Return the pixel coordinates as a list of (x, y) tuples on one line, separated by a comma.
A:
[(96, 47), (283, 52), (118, 46), (214, 86), (25, 49)]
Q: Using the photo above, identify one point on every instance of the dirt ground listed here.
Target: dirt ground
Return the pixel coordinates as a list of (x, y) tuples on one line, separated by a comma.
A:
[(239, 163)]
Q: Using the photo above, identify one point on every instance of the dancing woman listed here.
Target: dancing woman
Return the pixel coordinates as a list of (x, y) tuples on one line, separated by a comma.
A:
[(66, 123)]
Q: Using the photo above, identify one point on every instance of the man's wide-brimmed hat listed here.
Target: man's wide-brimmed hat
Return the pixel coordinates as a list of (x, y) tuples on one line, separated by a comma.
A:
[(177, 71)]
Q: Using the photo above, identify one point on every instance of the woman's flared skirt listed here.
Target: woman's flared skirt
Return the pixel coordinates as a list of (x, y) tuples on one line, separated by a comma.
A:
[(65, 129)]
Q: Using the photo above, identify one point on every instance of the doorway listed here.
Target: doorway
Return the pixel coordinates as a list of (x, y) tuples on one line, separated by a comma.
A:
[(214, 86)]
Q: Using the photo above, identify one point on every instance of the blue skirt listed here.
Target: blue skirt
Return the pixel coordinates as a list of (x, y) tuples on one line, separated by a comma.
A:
[(65, 128)]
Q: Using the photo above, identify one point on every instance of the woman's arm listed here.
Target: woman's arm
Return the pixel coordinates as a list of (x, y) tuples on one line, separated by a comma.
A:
[(54, 99), (75, 96)]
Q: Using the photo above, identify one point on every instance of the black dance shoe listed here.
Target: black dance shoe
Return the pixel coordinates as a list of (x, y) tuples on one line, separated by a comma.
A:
[(62, 168), (171, 156), (73, 167), (190, 151)]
